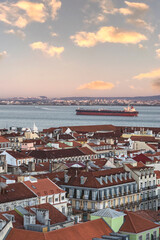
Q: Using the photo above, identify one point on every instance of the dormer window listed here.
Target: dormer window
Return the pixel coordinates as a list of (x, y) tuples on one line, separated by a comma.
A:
[(82, 179)]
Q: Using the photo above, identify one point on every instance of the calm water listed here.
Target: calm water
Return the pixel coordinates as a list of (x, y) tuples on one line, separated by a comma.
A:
[(54, 116)]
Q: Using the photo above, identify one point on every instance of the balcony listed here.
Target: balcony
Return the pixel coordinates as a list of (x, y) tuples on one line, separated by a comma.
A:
[(85, 197), (152, 187)]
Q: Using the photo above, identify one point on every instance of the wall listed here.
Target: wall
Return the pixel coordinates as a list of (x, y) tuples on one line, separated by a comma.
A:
[(6, 230), (136, 236), (114, 223)]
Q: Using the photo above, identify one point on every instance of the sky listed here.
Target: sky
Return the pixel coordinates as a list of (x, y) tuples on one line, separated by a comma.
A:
[(68, 48)]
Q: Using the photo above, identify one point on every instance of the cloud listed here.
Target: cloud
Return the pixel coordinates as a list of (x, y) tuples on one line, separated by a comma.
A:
[(53, 34), (137, 5), (140, 45), (107, 34), (3, 54), (18, 33), (156, 84), (55, 6), (105, 7), (138, 11), (125, 11), (141, 23), (34, 11), (152, 74), (158, 53), (21, 13), (47, 49), (132, 87), (97, 85)]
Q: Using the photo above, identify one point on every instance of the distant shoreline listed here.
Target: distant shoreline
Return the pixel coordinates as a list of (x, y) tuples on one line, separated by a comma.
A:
[(86, 105)]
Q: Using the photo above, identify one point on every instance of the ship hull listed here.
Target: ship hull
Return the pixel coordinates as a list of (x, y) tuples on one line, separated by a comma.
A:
[(106, 113)]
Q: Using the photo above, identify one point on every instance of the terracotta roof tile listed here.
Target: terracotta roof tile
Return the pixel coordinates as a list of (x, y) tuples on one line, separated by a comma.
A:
[(16, 191), (3, 139), (58, 153), (91, 178), (82, 231), (135, 224), (43, 187), (142, 158)]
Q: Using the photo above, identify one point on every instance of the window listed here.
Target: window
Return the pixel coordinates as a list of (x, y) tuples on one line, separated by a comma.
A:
[(77, 204), (56, 199), (140, 237), (62, 198), (154, 235), (50, 199), (63, 210), (85, 205), (78, 193), (147, 236), (43, 199), (93, 205), (93, 195)]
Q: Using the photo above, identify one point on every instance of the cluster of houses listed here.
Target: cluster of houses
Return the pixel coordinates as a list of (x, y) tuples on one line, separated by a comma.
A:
[(80, 182)]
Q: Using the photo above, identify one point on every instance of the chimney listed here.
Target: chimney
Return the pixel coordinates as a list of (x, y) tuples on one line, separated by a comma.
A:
[(50, 166), (31, 167), (58, 136), (42, 215), (3, 188), (66, 177), (29, 219), (87, 165)]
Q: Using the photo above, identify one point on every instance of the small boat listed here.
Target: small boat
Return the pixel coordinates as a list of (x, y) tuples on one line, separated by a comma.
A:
[(127, 112)]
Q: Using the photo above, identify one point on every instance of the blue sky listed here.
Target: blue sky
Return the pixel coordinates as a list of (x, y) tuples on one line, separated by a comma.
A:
[(79, 48)]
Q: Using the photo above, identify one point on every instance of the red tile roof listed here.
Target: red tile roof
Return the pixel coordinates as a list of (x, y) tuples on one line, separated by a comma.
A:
[(100, 162), (143, 138), (142, 158), (82, 231), (43, 187), (54, 214), (87, 151), (18, 155), (135, 224), (3, 140), (90, 128), (157, 174), (58, 153), (151, 215), (140, 165), (91, 178), (21, 234), (16, 191)]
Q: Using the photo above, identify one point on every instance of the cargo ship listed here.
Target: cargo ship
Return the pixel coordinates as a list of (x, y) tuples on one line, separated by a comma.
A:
[(127, 112)]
